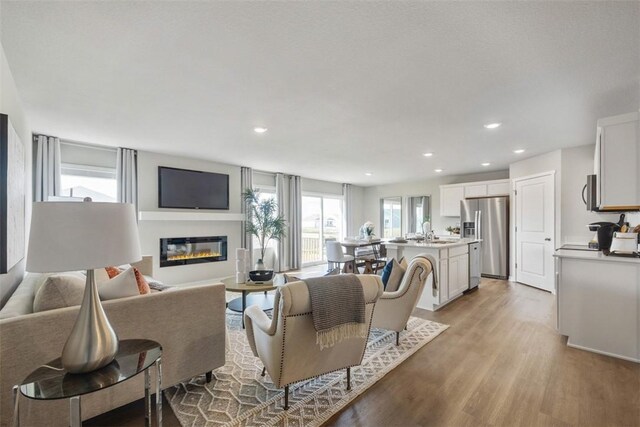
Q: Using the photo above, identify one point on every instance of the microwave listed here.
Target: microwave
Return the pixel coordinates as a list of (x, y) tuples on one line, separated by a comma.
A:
[(590, 193)]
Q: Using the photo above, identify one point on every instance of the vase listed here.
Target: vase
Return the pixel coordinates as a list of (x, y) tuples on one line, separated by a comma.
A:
[(259, 265)]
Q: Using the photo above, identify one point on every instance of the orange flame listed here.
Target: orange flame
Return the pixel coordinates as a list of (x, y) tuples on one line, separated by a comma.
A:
[(194, 255)]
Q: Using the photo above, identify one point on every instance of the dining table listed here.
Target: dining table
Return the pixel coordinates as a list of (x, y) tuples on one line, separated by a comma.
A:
[(350, 247)]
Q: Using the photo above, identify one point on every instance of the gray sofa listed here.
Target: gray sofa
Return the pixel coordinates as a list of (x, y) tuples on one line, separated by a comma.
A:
[(188, 322)]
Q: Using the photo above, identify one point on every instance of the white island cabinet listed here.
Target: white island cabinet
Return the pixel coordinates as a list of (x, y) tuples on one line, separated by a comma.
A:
[(598, 302), (452, 269)]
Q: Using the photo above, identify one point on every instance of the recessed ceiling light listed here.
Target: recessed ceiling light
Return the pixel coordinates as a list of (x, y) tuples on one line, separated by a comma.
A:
[(519, 151), (368, 173), (259, 130), (486, 164), (428, 154), (492, 125), (438, 170)]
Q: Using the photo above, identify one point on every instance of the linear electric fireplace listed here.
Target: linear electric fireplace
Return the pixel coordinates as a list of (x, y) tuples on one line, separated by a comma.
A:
[(192, 250)]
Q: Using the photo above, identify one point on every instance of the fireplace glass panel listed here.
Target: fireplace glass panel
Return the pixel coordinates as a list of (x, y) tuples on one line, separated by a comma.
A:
[(192, 250)]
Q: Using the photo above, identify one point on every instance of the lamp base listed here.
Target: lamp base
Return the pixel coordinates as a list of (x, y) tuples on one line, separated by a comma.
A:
[(92, 343)]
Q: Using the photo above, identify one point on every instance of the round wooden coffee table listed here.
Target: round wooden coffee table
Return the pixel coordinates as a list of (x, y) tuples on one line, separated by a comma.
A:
[(240, 304)]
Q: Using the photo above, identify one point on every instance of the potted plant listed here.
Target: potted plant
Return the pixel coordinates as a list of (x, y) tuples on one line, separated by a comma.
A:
[(263, 222), (453, 230), (366, 231)]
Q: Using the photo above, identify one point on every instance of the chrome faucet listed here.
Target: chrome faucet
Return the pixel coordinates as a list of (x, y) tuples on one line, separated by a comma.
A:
[(431, 236)]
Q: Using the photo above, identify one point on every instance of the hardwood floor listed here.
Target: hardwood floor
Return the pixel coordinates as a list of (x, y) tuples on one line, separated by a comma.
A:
[(500, 363)]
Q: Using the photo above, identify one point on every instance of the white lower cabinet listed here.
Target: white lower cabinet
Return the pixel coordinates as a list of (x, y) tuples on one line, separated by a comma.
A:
[(598, 305), (443, 281), (458, 275)]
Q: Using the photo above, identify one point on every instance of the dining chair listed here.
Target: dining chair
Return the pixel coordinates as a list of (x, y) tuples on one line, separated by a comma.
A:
[(335, 255)]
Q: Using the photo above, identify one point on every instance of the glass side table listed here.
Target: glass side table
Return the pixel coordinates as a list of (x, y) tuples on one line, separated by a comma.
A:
[(51, 381)]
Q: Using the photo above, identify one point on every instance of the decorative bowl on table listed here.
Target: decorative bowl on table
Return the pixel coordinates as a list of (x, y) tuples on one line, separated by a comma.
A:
[(258, 276), (398, 240)]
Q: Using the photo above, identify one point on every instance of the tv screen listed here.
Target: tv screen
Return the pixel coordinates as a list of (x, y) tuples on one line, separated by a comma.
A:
[(188, 189)]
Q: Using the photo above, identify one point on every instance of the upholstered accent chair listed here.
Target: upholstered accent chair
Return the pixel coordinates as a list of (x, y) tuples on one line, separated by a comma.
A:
[(286, 344), (394, 308)]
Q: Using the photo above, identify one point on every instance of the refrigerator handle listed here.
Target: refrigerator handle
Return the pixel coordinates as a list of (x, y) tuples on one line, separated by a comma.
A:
[(479, 225), (475, 224)]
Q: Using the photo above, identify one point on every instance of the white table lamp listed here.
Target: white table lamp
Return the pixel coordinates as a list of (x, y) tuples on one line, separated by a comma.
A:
[(84, 236)]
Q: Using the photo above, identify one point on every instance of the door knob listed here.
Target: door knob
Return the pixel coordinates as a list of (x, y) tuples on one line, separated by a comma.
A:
[(547, 239)]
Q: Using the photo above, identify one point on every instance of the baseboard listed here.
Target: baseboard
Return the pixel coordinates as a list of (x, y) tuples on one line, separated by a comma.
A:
[(604, 353)]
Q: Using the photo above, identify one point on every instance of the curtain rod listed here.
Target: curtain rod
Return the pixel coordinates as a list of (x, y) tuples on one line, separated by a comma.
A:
[(77, 143)]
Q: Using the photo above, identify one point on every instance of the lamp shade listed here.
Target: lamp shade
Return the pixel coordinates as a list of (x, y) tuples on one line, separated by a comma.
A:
[(81, 236)]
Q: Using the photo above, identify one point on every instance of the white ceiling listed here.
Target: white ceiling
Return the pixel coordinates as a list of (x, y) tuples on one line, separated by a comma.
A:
[(344, 88)]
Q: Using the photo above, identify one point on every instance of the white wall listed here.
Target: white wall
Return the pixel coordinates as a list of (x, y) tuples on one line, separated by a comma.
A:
[(11, 105), (152, 231), (370, 210), (357, 210)]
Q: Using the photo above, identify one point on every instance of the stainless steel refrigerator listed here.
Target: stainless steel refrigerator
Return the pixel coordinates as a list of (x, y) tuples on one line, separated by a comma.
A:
[(488, 219)]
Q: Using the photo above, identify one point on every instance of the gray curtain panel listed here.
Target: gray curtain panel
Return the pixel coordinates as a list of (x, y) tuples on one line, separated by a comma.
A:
[(47, 167), (282, 191), (294, 237), (127, 176), (246, 181), (289, 198), (347, 208)]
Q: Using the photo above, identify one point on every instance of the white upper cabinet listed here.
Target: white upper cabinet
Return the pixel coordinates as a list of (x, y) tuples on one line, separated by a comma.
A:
[(617, 162), (451, 195), (475, 190), (498, 188)]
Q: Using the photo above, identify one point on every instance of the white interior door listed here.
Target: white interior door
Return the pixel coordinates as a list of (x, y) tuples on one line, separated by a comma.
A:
[(535, 226)]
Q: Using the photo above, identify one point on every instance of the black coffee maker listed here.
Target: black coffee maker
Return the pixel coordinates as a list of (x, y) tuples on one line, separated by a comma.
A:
[(605, 232)]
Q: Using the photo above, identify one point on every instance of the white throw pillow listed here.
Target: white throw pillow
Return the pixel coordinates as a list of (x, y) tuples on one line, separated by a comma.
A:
[(403, 262), (58, 291), (395, 279), (21, 301), (121, 286), (101, 275)]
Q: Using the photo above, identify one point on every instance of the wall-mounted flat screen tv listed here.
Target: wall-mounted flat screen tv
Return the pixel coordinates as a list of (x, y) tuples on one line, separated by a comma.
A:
[(189, 189)]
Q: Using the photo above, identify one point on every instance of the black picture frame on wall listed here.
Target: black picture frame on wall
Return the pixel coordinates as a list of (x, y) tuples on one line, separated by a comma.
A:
[(4, 154), (12, 196)]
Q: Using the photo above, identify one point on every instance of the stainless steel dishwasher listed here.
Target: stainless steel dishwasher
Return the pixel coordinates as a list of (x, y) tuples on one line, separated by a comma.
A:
[(474, 265)]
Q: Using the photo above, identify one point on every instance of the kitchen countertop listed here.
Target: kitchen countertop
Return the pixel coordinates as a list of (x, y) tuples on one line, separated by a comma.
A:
[(450, 244), (593, 256)]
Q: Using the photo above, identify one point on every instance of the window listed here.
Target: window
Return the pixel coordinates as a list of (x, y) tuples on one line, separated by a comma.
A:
[(78, 181), (321, 221), (266, 193), (88, 171), (391, 216), (418, 212)]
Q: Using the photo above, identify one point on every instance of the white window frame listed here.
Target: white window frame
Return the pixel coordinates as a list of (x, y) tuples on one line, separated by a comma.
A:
[(323, 196)]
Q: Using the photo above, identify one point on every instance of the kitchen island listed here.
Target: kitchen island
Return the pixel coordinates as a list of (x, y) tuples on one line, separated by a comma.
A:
[(598, 302), (452, 268)]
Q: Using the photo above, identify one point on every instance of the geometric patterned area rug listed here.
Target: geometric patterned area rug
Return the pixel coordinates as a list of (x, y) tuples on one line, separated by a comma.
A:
[(239, 396)]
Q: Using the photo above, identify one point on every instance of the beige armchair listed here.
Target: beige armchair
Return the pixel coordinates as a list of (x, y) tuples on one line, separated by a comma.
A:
[(287, 345), (394, 308)]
